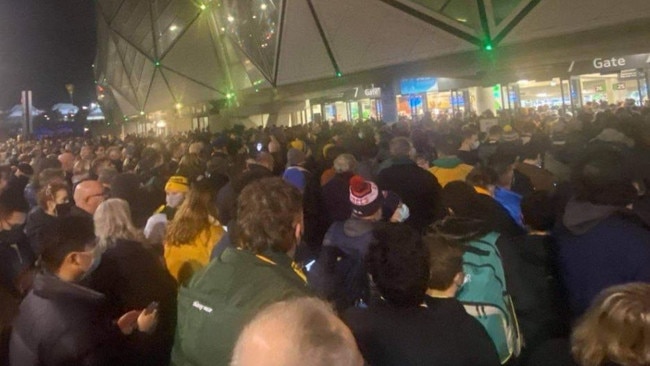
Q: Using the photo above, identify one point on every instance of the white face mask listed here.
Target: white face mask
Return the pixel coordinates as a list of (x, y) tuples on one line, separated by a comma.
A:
[(475, 145), (174, 199), (401, 214)]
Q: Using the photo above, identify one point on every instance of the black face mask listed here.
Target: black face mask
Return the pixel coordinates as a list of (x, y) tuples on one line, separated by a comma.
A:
[(63, 209)]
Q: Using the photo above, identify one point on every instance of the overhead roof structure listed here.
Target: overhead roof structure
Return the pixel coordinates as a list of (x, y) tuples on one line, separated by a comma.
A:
[(155, 54)]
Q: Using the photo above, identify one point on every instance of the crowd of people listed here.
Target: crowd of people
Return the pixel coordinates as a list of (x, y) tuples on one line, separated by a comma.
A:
[(431, 242)]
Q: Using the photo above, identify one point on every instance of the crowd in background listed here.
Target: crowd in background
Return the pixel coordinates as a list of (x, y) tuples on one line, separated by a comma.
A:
[(450, 241)]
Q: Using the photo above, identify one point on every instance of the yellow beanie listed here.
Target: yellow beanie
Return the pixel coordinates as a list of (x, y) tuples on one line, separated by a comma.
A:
[(177, 183), (297, 144)]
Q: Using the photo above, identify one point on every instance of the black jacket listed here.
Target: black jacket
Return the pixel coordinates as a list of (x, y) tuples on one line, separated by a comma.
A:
[(62, 323), (131, 277), (533, 282), (36, 226), (441, 333), (417, 188)]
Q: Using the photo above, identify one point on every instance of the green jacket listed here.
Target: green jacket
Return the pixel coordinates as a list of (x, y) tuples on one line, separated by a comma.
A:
[(223, 297)]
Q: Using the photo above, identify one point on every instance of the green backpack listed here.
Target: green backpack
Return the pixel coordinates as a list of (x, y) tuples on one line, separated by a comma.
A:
[(202, 313), (218, 302), (485, 297)]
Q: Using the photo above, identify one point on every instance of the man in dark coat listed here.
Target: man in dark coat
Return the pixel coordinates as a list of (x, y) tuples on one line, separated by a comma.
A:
[(418, 188), (601, 242), (62, 323)]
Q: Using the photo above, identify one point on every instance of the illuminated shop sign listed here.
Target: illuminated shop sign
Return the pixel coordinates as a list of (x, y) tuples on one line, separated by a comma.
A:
[(609, 64), (418, 85)]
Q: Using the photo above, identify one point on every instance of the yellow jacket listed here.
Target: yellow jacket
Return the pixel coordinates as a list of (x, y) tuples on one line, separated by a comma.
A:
[(449, 169), (185, 259)]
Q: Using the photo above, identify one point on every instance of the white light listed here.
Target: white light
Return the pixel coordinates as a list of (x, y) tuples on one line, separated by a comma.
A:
[(173, 27), (254, 16), (179, 106), (86, 129), (462, 20), (523, 81), (231, 18), (263, 6), (84, 108), (223, 29), (542, 95), (161, 124)]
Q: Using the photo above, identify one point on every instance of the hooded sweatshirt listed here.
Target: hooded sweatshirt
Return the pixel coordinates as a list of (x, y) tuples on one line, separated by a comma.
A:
[(600, 246)]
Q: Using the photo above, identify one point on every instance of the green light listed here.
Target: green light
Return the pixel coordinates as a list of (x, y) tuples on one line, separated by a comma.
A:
[(203, 7), (257, 90), (157, 63), (338, 74), (488, 47), (230, 95)]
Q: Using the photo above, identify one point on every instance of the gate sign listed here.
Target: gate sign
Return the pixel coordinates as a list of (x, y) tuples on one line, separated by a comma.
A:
[(609, 64)]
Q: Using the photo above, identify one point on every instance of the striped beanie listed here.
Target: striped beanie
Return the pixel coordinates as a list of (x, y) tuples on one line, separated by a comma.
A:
[(365, 197)]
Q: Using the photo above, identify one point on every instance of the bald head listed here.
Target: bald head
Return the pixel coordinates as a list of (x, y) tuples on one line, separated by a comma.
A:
[(67, 161), (88, 195), (302, 331)]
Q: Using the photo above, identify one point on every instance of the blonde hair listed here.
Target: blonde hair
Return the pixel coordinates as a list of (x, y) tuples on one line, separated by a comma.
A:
[(113, 221), (616, 328), (194, 216)]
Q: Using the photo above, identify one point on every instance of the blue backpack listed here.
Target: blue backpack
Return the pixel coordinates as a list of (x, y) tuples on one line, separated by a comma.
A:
[(485, 297)]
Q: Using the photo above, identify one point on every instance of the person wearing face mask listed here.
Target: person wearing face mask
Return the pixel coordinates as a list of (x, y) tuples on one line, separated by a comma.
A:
[(175, 191), (53, 203), (417, 320), (16, 263), (68, 324), (339, 273), (260, 271)]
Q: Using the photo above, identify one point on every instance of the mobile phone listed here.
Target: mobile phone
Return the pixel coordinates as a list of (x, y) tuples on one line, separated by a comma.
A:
[(151, 307), (259, 146)]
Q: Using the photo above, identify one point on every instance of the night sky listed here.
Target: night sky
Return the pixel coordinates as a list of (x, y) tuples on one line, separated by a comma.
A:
[(45, 44)]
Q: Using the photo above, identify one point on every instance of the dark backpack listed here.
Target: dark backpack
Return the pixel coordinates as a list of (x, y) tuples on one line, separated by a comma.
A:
[(339, 274)]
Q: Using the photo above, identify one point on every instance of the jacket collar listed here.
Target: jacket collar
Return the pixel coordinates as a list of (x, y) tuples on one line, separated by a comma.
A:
[(49, 286), (448, 162)]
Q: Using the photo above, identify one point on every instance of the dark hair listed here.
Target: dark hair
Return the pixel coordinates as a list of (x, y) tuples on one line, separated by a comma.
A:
[(11, 202), (481, 176), (448, 144), (66, 235), (603, 178), (267, 211), (398, 263), (501, 162), (445, 261), (538, 211)]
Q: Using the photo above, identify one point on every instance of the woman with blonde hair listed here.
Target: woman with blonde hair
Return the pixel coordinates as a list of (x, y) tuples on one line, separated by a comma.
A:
[(192, 233), (132, 277), (616, 328)]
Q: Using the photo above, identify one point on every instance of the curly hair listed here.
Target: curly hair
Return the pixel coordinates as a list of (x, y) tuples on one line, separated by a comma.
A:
[(48, 193), (616, 328), (267, 213), (194, 215), (398, 262)]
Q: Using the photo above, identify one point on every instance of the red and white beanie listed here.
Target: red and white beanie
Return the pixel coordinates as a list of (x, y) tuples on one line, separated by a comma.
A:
[(365, 197)]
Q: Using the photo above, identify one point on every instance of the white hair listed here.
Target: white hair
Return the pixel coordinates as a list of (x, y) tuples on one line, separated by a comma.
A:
[(113, 221)]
